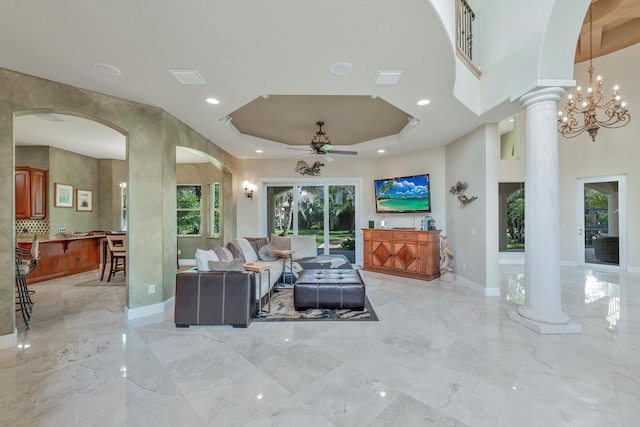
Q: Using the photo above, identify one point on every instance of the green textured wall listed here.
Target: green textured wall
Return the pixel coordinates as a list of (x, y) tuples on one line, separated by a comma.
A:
[(152, 135)]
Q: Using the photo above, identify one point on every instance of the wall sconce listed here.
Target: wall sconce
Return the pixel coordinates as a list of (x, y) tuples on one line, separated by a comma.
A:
[(123, 185), (249, 188)]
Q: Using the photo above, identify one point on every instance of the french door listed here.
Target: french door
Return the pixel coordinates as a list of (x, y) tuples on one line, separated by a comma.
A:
[(327, 210), (601, 215)]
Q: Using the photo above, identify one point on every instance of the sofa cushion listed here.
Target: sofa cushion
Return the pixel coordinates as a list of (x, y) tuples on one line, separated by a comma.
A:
[(266, 253), (233, 265), (203, 257), (257, 242), (303, 246), (281, 243), (235, 250), (223, 253), (248, 252)]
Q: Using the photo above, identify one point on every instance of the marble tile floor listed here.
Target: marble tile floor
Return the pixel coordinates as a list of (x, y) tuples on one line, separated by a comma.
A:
[(441, 355)]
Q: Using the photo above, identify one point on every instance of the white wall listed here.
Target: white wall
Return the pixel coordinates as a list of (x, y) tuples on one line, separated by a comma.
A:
[(473, 230), (615, 152)]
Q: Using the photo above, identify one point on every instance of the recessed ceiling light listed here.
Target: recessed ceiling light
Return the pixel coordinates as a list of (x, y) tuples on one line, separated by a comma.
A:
[(341, 68), (213, 101), (107, 69), (424, 102), (380, 151), (259, 151)]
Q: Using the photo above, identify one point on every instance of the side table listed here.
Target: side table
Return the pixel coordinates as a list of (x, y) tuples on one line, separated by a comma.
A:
[(285, 254), (259, 267)]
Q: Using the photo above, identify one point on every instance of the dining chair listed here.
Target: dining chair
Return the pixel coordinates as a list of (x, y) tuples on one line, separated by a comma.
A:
[(118, 250)]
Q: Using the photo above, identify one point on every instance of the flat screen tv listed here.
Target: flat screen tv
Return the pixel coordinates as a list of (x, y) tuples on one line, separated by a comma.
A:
[(406, 194)]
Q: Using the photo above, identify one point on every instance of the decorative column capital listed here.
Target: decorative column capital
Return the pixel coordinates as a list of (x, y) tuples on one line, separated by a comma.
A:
[(544, 94)]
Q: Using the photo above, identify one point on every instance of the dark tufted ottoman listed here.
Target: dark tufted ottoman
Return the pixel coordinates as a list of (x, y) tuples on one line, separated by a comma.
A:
[(329, 289)]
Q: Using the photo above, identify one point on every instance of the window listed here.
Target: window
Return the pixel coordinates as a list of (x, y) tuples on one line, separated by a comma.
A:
[(189, 203), (123, 206), (215, 206)]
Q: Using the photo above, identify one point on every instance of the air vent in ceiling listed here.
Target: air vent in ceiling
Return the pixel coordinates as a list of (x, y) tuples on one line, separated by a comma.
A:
[(387, 77), (188, 77)]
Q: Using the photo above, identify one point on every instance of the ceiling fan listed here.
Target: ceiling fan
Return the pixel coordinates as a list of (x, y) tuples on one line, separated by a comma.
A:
[(321, 145)]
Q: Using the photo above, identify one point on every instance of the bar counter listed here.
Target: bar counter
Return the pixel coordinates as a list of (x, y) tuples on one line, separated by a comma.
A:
[(63, 254)]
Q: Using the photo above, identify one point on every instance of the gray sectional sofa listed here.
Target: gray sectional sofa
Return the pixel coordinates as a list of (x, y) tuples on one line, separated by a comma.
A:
[(212, 294)]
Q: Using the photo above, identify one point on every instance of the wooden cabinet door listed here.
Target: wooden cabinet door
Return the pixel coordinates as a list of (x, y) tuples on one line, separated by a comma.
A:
[(38, 194), (367, 248), (382, 254), (23, 191), (430, 254), (406, 256)]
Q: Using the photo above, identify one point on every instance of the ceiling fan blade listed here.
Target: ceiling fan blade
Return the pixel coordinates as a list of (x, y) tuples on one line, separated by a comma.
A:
[(299, 149), (305, 155), (353, 153), (328, 158), (326, 147)]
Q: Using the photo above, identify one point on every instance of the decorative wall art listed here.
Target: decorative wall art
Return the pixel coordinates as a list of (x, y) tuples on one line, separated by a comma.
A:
[(458, 190), (84, 200), (63, 195)]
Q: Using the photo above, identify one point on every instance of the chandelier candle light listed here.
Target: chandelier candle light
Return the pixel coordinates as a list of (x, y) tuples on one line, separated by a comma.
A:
[(614, 113)]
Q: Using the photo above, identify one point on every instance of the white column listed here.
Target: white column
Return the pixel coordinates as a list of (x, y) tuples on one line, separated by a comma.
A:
[(542, 311)]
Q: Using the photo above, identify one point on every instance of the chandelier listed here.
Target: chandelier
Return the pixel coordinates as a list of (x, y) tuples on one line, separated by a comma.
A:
[(596, 113)]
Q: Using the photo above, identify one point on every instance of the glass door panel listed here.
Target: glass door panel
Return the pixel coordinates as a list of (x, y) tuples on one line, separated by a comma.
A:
[(310, 203), (601, 237), (342, 220), (280, 208)]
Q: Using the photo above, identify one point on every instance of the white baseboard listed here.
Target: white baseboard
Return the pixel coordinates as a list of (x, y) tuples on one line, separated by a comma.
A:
[(150, 310), (476, 287), (9, 340), (510, 258), (568, 263)]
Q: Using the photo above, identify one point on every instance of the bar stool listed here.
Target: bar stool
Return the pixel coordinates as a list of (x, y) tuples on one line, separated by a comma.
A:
[(118, 249), (26, 263)]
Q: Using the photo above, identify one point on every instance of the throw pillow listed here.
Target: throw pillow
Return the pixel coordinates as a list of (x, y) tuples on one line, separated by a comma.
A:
[(257, 242), (265, 253), (233, 265), (304, 247), (223, 253), (279, 242), (203, 257), (235, 250), (248, 252)]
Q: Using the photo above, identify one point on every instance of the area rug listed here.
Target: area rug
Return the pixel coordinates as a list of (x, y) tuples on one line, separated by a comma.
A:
[(282, 310)]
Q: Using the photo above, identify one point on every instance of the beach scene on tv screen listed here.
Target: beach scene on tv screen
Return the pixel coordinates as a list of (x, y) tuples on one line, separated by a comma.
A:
[(408, 194)]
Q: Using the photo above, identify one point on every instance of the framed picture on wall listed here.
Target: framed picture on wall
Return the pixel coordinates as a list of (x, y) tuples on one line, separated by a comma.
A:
[(63, 195), (84, 200)]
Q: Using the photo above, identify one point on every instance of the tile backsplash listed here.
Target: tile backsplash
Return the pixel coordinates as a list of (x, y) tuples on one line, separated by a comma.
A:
[(35, 226)]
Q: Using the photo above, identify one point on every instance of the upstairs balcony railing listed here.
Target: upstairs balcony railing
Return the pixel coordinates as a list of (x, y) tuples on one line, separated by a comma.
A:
[(464, 34)]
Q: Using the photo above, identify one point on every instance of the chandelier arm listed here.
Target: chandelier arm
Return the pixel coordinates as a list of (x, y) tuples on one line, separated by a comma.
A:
[(591, 106)]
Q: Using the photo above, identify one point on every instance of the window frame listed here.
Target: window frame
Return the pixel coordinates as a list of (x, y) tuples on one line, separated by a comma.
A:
[(213, 189), (179, 209)]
